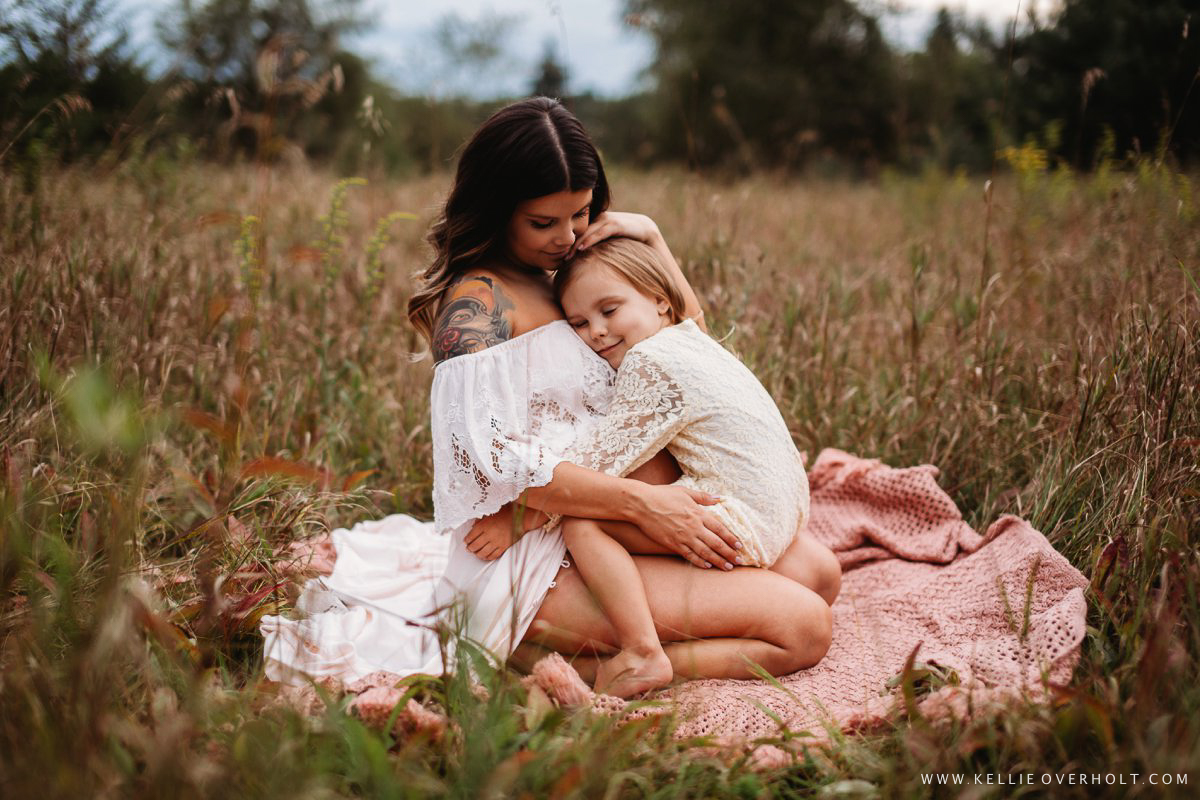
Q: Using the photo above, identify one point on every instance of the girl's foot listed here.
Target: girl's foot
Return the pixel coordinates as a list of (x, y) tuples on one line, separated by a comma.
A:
[(633, 671)]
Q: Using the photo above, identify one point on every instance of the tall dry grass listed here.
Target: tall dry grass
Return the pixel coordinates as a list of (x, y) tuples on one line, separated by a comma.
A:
[(199, 366)]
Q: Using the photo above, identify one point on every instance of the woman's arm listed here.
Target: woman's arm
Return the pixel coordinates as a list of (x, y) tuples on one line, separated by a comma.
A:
[(644, 229), (671, 515), (494, 534)]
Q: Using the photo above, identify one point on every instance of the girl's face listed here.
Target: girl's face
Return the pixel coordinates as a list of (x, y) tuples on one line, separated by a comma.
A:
[(610, 314), (543, 230)]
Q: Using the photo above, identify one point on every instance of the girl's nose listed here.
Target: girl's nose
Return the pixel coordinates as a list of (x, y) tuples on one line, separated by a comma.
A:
[(598, 331)]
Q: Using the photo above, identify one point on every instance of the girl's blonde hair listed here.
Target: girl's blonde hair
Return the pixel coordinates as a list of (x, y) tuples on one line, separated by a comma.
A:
[(638, 263)]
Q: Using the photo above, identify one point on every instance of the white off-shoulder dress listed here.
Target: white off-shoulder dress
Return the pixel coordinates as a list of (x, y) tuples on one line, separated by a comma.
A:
[(680, 389), (502, 420)]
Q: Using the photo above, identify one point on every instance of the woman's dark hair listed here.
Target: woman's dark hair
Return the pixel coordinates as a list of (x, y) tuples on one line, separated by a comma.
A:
[(529, 149)]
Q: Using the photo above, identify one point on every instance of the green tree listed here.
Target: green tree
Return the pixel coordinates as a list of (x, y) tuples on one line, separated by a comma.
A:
[(551, 77), (952, 92), (772, 81), (259, 69), (1129, 66), (68, 83)]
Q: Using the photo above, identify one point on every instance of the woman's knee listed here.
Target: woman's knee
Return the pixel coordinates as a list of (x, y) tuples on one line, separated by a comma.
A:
[(812, 564), (827, 572), (806, 631)]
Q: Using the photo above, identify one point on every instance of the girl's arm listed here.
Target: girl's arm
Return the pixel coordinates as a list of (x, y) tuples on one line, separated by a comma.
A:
[(644, 229)]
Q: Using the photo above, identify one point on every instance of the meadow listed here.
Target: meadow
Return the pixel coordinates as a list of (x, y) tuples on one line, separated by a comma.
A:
[(200, 365)]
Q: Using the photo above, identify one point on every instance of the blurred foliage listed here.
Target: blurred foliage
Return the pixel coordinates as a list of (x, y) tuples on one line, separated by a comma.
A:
[(778, 84), (952, 94), (1125, 66), (68, 82), (266, 77), (769, 82)]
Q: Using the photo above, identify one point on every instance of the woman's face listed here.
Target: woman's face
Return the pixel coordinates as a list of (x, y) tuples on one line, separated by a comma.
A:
[(543, 230)]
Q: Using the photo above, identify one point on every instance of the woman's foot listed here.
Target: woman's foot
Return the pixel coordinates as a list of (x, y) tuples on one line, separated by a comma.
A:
[(633, 671)]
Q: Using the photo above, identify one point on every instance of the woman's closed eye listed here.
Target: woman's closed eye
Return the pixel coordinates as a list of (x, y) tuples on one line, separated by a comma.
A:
[(542, 225)]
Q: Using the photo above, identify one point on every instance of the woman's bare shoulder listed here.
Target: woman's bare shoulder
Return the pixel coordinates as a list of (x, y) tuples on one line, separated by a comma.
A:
[(484, 307), (476, 313)]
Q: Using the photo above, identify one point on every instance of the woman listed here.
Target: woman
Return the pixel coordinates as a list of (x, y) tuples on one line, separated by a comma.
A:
[(513, 389), (530, 190)]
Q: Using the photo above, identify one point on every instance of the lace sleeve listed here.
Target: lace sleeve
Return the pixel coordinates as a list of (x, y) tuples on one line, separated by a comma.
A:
[(646, 413)]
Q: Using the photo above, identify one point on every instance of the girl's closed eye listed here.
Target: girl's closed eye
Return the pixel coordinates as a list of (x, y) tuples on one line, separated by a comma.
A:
[(541, 226)]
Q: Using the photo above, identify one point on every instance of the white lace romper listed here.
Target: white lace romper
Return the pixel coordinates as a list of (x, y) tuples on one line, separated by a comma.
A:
[(680, 389), (502, 420)]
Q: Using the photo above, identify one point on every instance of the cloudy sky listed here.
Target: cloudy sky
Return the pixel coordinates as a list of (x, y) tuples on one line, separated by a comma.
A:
[(602, 53)]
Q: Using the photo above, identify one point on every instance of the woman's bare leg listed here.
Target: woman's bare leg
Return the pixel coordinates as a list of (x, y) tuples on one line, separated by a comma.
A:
[(811, 564), (806, 561), (746, 615), (614, 581)]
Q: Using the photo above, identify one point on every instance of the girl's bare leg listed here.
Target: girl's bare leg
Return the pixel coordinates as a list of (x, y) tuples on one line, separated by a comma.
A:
[(614, 581), (746, 615)]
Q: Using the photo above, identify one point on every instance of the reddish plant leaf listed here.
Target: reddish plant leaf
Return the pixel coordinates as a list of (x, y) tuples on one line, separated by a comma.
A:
[(301, 254), (217, 218), (355, 478), (281, 467), (225, 432)]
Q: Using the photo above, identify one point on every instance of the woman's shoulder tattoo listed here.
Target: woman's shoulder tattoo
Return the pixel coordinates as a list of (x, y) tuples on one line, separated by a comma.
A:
[(476, 315)]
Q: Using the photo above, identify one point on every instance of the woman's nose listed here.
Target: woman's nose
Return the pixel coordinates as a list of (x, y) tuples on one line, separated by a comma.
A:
[(565, 237)]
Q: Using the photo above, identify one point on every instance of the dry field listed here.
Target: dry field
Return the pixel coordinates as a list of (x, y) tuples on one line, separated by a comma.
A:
[(201, 365)]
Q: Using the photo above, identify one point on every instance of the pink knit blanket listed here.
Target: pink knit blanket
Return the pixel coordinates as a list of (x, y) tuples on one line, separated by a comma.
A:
[(999, 616), (1001, 613)]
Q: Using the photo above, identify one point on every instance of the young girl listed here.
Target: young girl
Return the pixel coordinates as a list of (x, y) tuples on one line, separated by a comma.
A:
[(675, 388)]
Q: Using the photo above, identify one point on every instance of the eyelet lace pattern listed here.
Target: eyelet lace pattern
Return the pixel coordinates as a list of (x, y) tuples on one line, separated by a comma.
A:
[(504, 418)]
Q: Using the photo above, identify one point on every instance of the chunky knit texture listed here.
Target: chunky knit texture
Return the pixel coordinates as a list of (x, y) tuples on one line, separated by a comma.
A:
[(1003, 612)]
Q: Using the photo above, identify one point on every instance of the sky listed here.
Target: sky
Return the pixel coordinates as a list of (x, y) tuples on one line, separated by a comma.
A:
[(603, 55)]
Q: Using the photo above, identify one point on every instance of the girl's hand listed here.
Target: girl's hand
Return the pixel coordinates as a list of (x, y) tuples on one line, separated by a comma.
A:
[(490, 536), (674, 517), (618, 223)]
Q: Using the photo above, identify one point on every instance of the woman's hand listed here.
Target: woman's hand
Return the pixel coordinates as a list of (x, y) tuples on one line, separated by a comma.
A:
[(619, 223), (490, 536), (674, 516)]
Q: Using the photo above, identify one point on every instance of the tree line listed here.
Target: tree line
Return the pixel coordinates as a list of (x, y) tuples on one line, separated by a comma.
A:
[(774, 84)]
